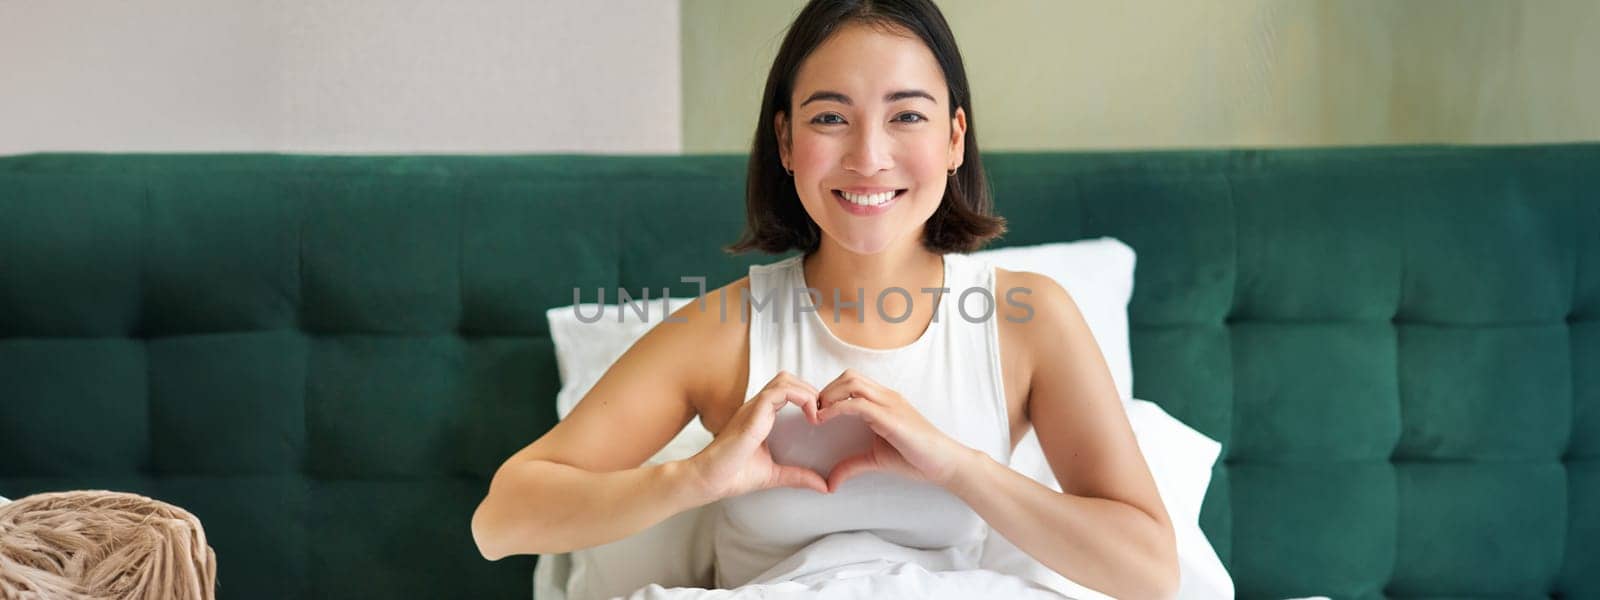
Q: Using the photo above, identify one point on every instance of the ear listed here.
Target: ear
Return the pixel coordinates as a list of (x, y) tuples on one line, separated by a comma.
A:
[(958, 137), (780, 125)]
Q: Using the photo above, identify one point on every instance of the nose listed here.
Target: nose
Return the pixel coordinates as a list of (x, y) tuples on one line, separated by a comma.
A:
[(869, 152)]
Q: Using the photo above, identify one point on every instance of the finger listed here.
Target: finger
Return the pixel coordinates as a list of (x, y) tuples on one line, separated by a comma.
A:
[(837, 391), (849, 468), (791, 379), (846, 377), (792, 394), (861, 407), (849, 384), (787, 378), (760, 408), (799, 396), (834, 395), (800, 477), (802, 383)]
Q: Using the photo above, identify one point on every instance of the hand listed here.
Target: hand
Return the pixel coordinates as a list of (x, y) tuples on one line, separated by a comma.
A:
[(905, 443), (737, 461)]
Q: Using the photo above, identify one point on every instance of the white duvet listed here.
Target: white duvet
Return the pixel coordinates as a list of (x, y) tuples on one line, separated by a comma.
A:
[(859, 564)]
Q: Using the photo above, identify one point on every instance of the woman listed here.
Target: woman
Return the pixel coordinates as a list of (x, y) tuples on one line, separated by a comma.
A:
[(859, 410)]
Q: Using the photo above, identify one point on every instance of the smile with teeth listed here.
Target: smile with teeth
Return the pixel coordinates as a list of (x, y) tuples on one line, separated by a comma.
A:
[(868, 199)]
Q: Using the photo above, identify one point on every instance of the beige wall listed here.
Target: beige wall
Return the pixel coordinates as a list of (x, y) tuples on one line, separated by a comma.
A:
[(340, 76), (1057, 74), (663, 76)]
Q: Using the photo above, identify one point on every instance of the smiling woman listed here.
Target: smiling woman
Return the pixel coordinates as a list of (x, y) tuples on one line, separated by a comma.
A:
[(921, 129), (865, 159), (861, 457)]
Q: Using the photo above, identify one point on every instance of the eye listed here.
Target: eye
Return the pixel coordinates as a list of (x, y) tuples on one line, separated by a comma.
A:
[(919, 118), (819, 119)]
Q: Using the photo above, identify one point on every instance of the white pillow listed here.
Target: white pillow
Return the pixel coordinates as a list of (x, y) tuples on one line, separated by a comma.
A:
[(1180, 460), (584, 351), (1098, 274)]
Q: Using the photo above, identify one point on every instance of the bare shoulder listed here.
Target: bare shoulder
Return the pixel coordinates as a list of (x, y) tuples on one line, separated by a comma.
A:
[(678, 369), (1039, 322), (1018, 299), (1042, 311), (1031, 307)]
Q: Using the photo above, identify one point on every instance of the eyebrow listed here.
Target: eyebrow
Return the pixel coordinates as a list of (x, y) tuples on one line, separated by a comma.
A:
[(890, 97)]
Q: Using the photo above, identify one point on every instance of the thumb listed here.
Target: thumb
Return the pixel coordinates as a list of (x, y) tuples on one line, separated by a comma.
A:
[(850, 467), (801, 477)]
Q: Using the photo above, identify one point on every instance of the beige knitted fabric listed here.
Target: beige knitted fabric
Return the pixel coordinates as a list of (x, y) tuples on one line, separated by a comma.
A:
[(98, 544)]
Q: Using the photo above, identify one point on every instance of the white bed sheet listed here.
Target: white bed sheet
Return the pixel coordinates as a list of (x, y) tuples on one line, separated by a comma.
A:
[(859, 564)]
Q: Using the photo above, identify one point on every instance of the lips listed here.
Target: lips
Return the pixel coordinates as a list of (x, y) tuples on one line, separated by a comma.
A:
[(867, 210)]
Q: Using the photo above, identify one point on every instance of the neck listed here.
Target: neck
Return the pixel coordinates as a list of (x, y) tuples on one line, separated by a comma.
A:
[(908, 266)]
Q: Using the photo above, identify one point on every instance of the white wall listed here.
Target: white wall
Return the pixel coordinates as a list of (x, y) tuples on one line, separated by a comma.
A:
[(340, 76)]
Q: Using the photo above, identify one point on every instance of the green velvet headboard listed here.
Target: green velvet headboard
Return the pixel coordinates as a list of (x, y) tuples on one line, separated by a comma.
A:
[(325, 358)]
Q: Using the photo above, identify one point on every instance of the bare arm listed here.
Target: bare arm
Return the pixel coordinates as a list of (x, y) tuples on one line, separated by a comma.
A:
[(581, 484), (543, 507), (1105, 544), (1108, 529)]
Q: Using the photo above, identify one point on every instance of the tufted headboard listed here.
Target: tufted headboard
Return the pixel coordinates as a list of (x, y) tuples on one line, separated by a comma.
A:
[(325, 358)]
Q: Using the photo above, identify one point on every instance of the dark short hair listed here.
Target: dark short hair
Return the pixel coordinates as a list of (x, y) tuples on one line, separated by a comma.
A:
[(775, 221)]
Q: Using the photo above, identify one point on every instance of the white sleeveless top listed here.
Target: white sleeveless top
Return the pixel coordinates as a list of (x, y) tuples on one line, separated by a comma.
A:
[(951, 374)]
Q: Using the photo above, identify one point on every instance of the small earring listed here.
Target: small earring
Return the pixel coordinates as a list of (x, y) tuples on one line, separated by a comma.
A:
[(789, 171)]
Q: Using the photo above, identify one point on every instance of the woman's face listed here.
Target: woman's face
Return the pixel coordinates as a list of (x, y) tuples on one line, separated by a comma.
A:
[(871, 140)]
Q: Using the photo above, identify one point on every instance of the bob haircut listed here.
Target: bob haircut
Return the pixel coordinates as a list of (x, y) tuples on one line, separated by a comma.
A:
[(775, 220)]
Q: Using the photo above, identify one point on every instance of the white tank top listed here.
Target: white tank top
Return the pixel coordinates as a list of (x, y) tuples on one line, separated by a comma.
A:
[(951, 374)]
